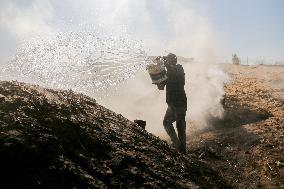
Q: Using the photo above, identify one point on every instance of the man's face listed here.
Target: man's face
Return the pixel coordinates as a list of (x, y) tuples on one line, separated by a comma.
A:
[(171, 59), (171, 62)]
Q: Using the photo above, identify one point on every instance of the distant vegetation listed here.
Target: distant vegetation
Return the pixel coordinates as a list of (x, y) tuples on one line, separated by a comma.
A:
[(236, 60)]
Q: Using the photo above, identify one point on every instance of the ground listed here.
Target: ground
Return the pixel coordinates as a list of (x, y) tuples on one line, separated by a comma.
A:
[(246, 146), (61, 139)]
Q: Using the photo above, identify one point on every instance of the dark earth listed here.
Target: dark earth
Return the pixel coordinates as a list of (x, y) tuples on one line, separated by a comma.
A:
[(61, 139)]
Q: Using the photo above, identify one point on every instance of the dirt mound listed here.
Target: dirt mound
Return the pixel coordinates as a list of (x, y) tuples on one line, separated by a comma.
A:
[(59, 139)]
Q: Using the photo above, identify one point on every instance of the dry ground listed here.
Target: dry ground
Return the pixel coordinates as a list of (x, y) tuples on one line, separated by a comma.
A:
[(246, 147)]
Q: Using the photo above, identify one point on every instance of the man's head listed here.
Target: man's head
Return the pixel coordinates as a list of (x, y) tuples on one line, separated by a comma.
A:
[(171, 59)]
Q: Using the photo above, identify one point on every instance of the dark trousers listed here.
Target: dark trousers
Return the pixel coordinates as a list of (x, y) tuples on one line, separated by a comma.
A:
[(176, 114)]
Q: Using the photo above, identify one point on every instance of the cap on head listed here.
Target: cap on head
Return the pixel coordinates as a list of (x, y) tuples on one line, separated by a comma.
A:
[(172, 58)]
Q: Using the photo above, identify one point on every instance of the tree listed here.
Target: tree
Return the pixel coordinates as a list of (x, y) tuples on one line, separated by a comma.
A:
[(235, 59)]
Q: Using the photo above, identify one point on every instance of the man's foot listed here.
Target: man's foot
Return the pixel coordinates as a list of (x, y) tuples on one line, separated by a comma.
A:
[(182, 149), (175, 146)]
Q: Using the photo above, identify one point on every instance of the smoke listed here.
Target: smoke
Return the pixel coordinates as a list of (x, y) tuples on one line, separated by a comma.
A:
[(205, 91), (137, 28), (137, 98)]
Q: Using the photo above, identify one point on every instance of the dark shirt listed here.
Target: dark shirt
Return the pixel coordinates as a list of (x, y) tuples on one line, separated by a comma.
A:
[(175, 94)]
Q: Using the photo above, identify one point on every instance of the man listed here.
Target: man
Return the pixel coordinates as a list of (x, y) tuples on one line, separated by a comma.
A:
[(177, 102)]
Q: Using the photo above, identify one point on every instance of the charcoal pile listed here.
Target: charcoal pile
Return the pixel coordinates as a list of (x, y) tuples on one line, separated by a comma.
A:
[(61, 139)]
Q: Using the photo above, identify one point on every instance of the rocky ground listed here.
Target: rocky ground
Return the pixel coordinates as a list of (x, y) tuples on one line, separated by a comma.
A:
[(60, 139), (247, 146)]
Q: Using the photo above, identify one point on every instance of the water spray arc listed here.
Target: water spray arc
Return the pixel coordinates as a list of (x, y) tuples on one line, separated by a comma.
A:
[(84, 60)]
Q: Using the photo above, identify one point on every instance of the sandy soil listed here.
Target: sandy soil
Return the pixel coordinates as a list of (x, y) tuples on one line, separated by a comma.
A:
[(246, 146)]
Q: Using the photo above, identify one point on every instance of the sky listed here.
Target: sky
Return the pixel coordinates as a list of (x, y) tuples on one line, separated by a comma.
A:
[(250, 27), (208, 30)]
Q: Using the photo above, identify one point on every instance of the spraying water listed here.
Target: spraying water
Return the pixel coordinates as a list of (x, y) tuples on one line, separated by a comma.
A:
[(86, 60)]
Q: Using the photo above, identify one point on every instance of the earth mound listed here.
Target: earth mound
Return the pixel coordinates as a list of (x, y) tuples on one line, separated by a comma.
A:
[(60, 139)]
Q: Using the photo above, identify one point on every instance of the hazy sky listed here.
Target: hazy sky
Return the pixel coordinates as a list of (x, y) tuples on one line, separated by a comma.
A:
[(208, 29), (249, 27)]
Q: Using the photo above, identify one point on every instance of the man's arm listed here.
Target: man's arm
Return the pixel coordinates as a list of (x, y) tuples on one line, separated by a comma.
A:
[(161, 86)]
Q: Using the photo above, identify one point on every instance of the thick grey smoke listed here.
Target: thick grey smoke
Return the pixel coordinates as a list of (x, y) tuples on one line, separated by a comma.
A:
[(162, 26)]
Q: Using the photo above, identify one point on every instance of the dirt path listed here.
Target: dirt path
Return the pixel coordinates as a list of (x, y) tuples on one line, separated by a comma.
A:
[(247, 146)]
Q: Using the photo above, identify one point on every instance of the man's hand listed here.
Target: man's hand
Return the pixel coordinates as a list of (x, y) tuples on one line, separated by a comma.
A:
[(161, 86)]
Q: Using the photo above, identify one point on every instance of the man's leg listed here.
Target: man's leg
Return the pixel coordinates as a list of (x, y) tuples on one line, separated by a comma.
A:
[(168, 125), (181, 127)]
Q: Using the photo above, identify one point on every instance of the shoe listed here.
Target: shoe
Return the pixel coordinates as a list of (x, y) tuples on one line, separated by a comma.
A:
[(182, 149), (174, 146)]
